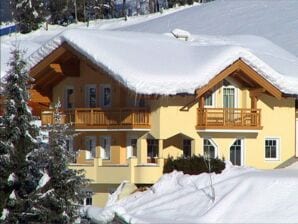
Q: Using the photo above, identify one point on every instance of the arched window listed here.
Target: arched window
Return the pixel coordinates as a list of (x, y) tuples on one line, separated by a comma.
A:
[(210, 149)]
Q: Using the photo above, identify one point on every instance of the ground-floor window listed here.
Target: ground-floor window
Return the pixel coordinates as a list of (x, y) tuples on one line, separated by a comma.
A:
[(88, 199), (209, 149), (236, 153), (186, 147), (271, 148), (152, 149)]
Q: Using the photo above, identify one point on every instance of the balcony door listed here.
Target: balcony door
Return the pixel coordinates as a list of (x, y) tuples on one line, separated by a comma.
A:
[(90, 143), (236, 152), (229, 103), (131, 149), (69, 98), (105, 147), (90, 96), (229, 97)]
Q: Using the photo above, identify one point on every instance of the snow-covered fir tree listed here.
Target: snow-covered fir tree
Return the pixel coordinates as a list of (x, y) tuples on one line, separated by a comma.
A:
[(18, 146), (28, 14), (62, 194)]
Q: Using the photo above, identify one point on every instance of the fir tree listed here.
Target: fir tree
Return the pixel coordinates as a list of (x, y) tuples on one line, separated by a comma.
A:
[(18, 145), (28, 14), (60, 198)]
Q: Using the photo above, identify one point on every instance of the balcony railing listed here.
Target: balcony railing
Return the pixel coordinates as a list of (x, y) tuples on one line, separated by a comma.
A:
[(98, 118), (228, 118)]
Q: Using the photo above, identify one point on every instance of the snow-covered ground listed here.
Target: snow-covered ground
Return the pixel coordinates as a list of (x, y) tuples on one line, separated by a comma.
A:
[(242, 195)]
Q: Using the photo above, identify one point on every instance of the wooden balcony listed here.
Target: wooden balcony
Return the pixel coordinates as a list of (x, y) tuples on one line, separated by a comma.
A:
[(228, 118), (97, 118)]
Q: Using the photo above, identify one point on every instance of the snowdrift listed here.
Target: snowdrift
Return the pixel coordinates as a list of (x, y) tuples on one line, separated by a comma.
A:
[(242, 195)]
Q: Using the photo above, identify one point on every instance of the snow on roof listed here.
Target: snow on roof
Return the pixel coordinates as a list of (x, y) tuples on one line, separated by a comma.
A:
[(273, 20), (159, 64)]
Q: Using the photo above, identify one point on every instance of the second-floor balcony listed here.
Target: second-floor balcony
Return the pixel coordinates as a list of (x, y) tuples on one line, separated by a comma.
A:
[(228, 118), (98, 118)]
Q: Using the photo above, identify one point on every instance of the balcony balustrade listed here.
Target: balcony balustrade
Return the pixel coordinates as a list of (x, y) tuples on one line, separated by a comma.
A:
[(98, 118), (228, 118)]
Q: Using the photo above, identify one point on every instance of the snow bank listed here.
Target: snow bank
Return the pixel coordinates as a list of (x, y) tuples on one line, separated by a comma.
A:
[(242, 195), (159, 64)]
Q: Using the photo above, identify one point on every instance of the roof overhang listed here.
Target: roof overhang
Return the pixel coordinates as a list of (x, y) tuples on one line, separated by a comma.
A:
[(246, 74)]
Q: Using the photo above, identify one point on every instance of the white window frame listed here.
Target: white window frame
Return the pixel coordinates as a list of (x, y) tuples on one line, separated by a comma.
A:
[(65, 97), (278, 143), (103, 154), (235, 97), (87, 94), (242, 150), (90, 153), (213, 144), (101, 98)]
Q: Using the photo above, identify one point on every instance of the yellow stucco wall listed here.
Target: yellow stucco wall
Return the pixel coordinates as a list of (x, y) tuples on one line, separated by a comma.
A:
[(171, 125)]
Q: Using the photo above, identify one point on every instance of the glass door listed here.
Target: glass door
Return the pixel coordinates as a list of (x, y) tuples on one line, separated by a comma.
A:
[(236, 153)]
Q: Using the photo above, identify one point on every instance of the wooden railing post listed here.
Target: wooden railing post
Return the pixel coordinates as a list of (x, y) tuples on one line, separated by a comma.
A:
[(91, 117)]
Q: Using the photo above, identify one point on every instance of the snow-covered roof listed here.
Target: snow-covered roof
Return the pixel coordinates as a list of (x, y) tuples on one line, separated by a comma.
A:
[(161, 64), (276, 21)]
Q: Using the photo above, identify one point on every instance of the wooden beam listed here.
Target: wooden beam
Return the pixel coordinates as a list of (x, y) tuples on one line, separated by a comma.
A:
[(256, 92), (240, 75), (47, 60), (254, 101), (56, 67), (248, 71), (37, 97), (222, 75), (260, 80)]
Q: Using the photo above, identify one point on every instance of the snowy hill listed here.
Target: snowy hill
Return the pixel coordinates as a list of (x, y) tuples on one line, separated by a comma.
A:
[(274, 20), (242, 195)]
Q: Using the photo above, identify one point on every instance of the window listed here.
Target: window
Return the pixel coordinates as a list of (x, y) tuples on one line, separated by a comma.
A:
[(186, 147), (91, 96), (105, 147), (209, 100), (88, 199), (106, 96), (69, 98), (229, 97), (209, 149), (69, 144), (271, 148), (132, 147), (236, 153), (90, 142), (152, 149)]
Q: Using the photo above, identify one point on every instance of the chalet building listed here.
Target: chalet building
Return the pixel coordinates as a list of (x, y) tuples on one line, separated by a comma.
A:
[(136, 99)]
